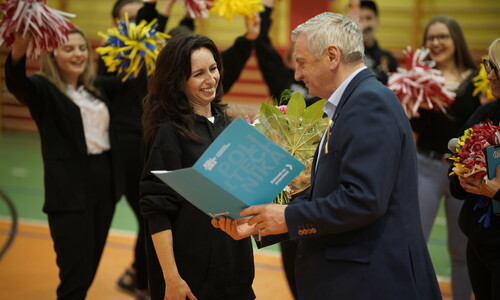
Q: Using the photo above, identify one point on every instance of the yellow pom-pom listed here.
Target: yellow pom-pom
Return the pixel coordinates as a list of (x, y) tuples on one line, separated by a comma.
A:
[(229, 8)]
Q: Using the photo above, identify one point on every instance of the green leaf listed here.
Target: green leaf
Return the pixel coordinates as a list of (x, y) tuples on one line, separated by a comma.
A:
[(314, 112), (295, 110), (285, 96)]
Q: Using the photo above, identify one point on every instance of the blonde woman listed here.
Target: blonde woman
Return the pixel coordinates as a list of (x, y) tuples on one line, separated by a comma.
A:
[(483, 240), (70, 110)]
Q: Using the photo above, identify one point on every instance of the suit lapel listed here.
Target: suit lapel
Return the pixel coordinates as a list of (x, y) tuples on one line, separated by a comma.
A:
[(343, 100)]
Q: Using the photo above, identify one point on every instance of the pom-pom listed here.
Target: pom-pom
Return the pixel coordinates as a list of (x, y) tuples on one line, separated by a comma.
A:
[(197, 8), (482, 84), (420, 84), (130, 47), (48, 27), (229, 8)]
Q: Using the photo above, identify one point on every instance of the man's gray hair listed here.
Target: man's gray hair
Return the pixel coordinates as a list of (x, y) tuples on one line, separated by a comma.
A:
[(329, 28)]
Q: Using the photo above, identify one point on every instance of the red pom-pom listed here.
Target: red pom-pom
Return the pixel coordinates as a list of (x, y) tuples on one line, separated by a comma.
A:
[(198, 8), (420, 83), (49, 28)]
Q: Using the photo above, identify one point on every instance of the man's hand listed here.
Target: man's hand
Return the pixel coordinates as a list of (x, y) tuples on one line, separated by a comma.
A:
[(237, 229), (269, 218)]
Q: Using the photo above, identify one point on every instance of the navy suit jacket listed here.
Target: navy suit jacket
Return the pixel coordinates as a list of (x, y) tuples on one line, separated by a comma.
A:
[(359, 224)]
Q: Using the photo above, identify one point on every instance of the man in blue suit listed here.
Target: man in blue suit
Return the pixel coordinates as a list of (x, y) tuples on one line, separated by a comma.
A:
[(358, 226)]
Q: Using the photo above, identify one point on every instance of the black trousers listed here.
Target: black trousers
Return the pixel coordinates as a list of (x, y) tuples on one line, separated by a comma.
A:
[(79, 237), (288, 255), (130, 149), (483, 263)]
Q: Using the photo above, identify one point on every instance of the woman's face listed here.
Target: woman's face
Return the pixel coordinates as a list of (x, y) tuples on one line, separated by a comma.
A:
[(72, 57), (201, 86), (440, 44), (493, 78)]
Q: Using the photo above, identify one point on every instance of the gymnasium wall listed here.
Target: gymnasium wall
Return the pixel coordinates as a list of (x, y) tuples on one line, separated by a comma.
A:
[(402, 24)]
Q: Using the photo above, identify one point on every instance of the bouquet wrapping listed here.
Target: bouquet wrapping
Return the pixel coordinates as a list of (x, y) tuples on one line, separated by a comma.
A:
[(130, 47), (420, 84), (297, 129), (48, 27)]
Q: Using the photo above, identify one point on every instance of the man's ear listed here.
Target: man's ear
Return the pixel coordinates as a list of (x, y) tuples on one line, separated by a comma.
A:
[(333, 55)]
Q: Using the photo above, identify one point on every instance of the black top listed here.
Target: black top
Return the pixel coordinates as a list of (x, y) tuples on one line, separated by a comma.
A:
[(436, 128), (213, 264), (381, 62), (469, 219), (277, 75)]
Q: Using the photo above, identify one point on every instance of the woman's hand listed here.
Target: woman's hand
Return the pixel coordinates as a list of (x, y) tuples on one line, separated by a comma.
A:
[(483, 186), (237, 229), (491, 187), (177, 289), (20, 45), (253, 27)]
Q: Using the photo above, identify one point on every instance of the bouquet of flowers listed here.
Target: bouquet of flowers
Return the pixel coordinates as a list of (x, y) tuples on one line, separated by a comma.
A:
[(131, 46), (420, 84), (469, 159), (297, 129), (470, 162)]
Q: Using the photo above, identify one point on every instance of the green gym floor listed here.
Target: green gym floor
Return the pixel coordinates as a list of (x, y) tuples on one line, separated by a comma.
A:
[(21, 178)]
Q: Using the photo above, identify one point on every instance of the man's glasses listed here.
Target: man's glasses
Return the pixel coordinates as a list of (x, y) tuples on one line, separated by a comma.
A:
[(488, 66)]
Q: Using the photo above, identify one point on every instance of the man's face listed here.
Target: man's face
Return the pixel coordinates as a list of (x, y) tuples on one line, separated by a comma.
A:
[(368, 22), (310, 70)]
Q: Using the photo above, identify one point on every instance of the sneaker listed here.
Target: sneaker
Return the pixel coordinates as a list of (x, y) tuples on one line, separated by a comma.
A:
[(142, 296), (126, 283)]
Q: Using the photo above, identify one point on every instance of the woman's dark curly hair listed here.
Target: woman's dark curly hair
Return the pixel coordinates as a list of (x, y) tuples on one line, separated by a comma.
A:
[(165, 100)]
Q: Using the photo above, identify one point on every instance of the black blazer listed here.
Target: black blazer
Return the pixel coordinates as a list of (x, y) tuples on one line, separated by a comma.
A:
[(60, 125)]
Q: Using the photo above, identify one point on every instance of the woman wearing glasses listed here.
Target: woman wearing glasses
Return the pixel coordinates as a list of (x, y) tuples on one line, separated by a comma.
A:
[(483, 247), (448, 49)]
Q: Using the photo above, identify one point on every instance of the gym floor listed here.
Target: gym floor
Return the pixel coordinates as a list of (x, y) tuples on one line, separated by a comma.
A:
[(28, 269)]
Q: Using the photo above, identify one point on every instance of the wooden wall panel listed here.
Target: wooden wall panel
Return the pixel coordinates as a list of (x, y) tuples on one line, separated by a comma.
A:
[(480, 21)]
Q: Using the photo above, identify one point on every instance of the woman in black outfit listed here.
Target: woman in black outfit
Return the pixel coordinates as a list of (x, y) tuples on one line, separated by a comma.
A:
[(127, 120), (483, 245), (183, 114), (71, 113)]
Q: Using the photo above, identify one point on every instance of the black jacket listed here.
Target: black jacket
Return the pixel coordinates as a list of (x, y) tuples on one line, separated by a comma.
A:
[(213, 264), (277, 75), (59, 122)]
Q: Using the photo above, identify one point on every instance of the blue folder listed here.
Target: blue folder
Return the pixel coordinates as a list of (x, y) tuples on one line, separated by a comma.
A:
[(241, 168)]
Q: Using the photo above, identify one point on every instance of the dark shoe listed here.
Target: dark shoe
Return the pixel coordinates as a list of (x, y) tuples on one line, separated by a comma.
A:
[(142, 296), (127, 283)]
